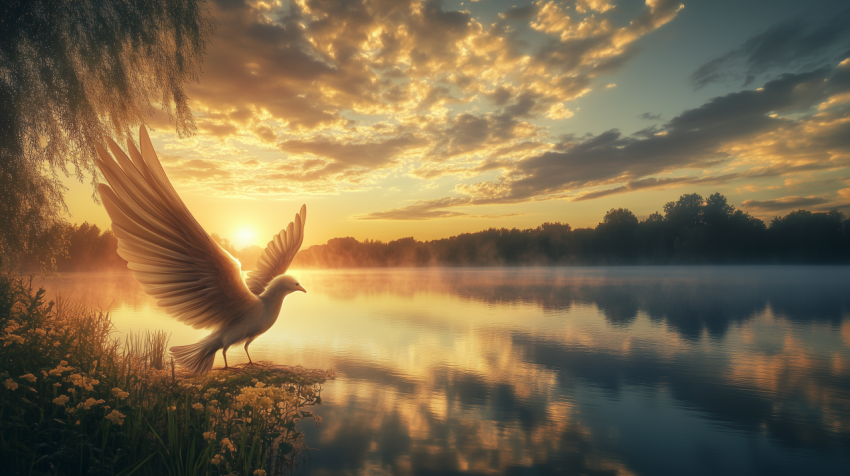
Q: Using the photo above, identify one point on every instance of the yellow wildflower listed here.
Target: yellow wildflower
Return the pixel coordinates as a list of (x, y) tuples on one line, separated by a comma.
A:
[(61, 400), (116, 417), (119, 393), (10, 384), (259, 472), (225, 443), (91, 402), (198, 406), (209, 435)]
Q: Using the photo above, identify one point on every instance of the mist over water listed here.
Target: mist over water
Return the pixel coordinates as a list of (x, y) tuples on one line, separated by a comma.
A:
[(634, 370)]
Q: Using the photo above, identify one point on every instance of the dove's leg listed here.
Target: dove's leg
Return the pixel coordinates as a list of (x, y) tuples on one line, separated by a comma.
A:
[(250, 362), (224, 354)]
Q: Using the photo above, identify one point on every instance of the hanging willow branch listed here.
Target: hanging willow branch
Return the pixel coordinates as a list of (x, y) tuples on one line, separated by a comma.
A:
[(73, 72)]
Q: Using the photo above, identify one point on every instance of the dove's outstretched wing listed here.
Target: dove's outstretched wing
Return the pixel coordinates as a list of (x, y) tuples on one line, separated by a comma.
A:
[(278, 253), (171, 255)]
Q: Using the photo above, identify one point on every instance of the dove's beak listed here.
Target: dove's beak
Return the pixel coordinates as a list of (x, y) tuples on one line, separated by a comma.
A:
[(301, 288)]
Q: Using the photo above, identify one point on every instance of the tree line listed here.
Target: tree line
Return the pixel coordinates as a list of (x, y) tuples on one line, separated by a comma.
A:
[(66, 247), (691, 230)]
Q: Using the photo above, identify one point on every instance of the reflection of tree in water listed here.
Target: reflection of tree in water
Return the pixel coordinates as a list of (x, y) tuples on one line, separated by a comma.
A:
[(689, 300)]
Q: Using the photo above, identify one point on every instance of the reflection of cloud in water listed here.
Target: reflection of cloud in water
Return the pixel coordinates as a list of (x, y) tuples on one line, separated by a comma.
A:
[(588, 370)]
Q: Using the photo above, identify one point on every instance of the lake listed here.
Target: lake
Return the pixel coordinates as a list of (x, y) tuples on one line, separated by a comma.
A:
[(607, 370)]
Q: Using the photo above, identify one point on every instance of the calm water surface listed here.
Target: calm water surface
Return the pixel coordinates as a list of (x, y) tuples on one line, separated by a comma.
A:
[(644, 371)]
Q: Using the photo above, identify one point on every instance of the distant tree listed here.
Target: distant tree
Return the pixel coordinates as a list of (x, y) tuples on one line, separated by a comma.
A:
[(723, 235), (806, 237), (73, 72), (617, 236), (716, 210), (686, 212)]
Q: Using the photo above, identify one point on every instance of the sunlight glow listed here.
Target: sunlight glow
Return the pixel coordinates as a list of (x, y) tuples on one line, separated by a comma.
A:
[(244, 237)]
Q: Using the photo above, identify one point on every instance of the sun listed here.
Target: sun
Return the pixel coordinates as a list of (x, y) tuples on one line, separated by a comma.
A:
[(244, 237)]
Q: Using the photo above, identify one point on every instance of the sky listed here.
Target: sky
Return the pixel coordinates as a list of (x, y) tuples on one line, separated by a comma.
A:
[(397, 118)]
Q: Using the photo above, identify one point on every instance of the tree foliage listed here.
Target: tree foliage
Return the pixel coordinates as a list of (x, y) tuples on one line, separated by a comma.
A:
[(692, 230), (73, 72)]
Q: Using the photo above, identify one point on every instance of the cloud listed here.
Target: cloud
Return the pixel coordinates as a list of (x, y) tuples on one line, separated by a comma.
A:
[(699, 138), (784, 203), (429, 210), (421, 210), (779, 129), (787, 45), (346, 155), (655, 183), (315, 79)]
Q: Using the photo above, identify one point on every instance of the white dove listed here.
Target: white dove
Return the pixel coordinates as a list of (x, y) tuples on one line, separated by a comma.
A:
[(194, 279)]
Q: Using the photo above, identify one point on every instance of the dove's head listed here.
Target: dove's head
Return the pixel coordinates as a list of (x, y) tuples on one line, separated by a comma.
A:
[(283, 285)]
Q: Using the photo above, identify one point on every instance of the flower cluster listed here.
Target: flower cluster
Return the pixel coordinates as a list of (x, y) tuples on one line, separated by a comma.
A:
[(120, 393), (9, 337), (226, 444), (83, 382), (116, 417), (61, 368)]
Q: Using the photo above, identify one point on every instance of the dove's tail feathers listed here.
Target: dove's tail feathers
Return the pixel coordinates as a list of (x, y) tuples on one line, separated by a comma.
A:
[(196, 357)]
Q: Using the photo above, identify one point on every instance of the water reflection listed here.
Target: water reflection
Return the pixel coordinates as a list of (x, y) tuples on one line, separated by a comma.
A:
[(551, 371)]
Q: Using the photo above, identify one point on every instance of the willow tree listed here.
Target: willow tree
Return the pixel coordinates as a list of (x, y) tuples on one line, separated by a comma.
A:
[(73, 72)]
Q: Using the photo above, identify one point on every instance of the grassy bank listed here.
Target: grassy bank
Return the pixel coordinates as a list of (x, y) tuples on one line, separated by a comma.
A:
[(74, 399)]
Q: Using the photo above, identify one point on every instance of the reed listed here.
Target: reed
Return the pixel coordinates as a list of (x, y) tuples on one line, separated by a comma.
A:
[(75, 399)]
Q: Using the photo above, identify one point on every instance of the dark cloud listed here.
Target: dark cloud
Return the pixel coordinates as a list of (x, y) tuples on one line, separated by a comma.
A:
[(429, 210), (653, 183), (421, 210), (784, 203), (520, 13), (789, 45), (345, 154), (722, 129), (650, 117), (691, 140)]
